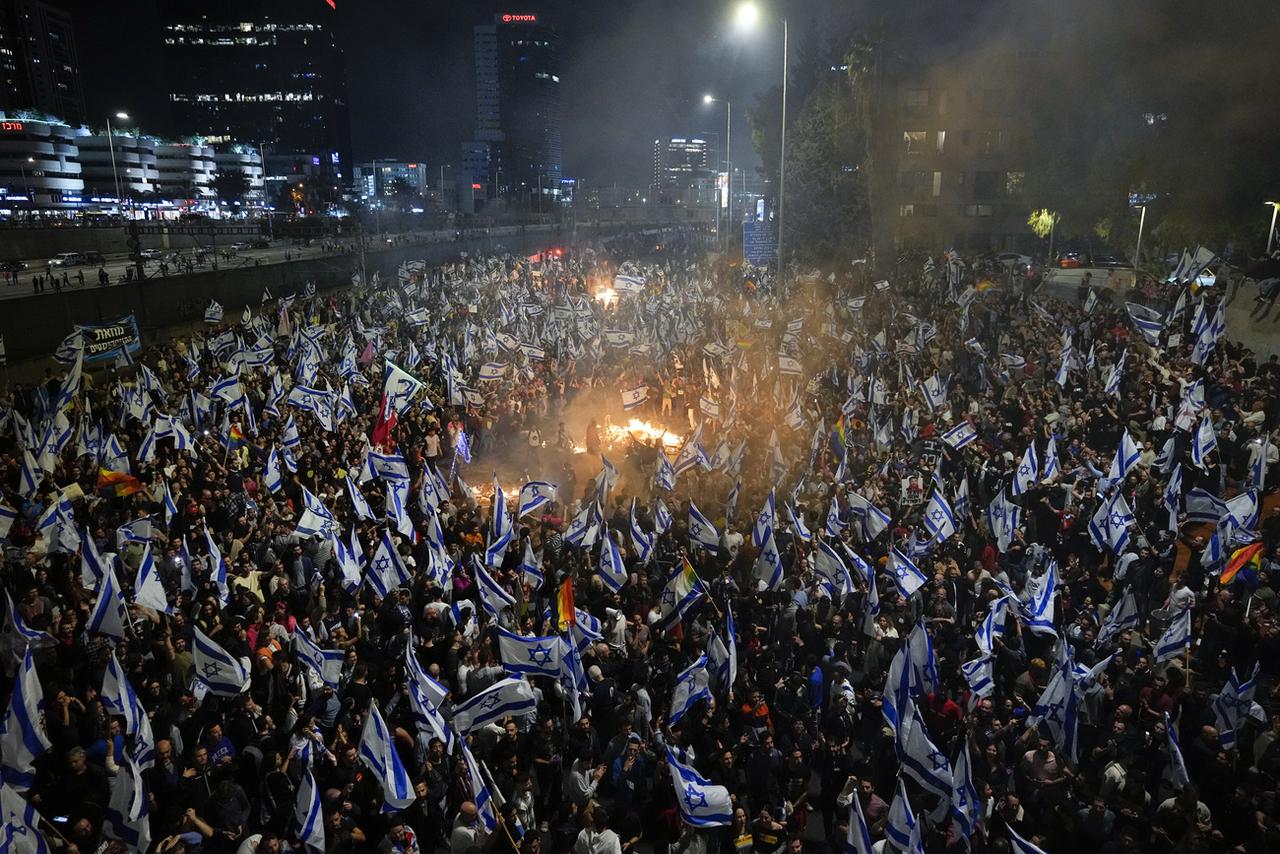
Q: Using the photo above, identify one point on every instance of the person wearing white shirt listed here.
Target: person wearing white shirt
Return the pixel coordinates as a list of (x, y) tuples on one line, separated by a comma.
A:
[(598, 838)]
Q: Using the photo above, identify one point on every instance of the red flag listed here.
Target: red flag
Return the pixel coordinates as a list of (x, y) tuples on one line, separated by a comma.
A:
[(381, 434), (367, 356)]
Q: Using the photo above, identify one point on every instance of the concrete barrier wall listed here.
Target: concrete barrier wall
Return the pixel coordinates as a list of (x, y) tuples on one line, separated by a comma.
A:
[(34, 325)]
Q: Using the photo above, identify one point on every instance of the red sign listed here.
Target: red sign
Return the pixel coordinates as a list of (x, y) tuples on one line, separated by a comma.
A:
[(508, 18), (477, 187), (333, 4), (11, 126)]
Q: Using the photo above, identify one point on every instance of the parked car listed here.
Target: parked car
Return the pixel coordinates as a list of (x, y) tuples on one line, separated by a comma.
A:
[(13, 266), (260, 243), (1107, 259), (150, 254)]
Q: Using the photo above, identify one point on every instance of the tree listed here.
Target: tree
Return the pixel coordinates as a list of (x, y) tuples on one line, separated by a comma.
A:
[(231, 186)]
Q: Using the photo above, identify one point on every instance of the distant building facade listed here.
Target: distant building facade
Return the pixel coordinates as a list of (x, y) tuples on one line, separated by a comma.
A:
[(39, 65)]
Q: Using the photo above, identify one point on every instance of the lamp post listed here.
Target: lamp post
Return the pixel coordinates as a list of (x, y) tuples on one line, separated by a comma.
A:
[(1271, 232), (728, 163), (26, 186), (1137, 251), (746, 17), (111, 144)]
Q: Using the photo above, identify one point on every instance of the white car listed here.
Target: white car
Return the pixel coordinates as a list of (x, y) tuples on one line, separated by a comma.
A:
[(1015, 259)]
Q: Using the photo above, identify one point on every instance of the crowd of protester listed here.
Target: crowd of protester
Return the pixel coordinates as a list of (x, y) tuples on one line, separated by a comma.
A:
[(799, 730)]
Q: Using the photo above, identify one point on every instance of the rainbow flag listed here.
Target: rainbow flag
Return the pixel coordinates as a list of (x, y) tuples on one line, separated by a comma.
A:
[(565, 613), (1247, 559), (235, 437), (118, 484)]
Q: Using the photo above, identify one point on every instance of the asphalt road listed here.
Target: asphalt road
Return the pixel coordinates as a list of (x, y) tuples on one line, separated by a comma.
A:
[(116, 264)]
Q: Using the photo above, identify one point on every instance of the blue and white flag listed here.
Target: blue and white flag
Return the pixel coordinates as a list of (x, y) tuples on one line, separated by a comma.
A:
[(1121, 617), (21, 832), (662, 520), (1177, 767), (386, 569), (1049, 468), (535, 494), (612, 568), (797, 524), (1016, 842), (906, 575), (966, 803), (108, 617), (1056, 710), (1147, 321), (481, 796), (509, 697), (148, 591), (425, 697), (682, 591), (379, 754), (1176, 639), (213, 313), (308, 821), (702, 534), (664, 475), (641, 540), (585, 527), (691, 687), (530, 564), (217, 567), (1024, 477), (325, 663), (128, 810), (939, 518), (1039, 610), (1204, 442), (216, 669), (1109, 526), (529, 656), (1235, 703), (765, 523), (120, 699), (23, 738), (960, 435), (392, 466), (701, 803), (493, 598), (901, 822), (359, 504), (635, 397), (858, 840)]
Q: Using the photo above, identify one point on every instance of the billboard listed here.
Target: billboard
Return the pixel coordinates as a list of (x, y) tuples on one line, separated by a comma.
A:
[(106, 340)]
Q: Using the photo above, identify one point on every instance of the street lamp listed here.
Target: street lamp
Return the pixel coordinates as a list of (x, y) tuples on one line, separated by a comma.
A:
[(746, 17), (1271, 232), (111, 144), (1137, 251), (728, 162), (26, 185)]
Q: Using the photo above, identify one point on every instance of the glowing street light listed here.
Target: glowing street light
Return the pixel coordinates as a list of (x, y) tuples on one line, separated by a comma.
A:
[(1271, 232), (746, 17), (111, 144), (728, 163)]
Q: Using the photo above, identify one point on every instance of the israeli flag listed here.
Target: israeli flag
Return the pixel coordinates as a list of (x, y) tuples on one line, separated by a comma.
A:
[(149, 591), (935, 393), (23, 739), (797, 524), (512, 696), (273, 478), (1204, 442), (788, 366), (1147, 321), (939, 518), (613, 570), (1121, 617), (768, 565), (1177, 767), (529, 656), (1039, 611), (1049, 467), (137, 531), (530, 565), (217, 567), (634, 397), (325, 663), (906, 575), (480, 794), (120, 698), (492, 597), (1127, 454), (213, 314), (1024, 477), (1109, 526), (21, 834), (690, 688), (425, 697), (108, 617), (1176, 638), (664, 476), (30, 475), (662, 520), (535, 494), (585, 527), (858, 840), (765, 522), (392, 467), (966, 804), (960, 435), (702, 534), (628, 284), (701, 804), (641, 540), (216, 669), (1235, 703), (308, 821), (380, 755), (901, 824), (490, 371), (1016, 842), (1116, 376)]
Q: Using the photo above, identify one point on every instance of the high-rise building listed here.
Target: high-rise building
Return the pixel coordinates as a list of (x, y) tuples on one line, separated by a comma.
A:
[(388, 178), (678, 164), (39, 68), (265, 72), (516, 148)]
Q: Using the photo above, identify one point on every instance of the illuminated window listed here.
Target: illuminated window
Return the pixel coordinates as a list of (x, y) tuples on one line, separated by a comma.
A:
[(942, 140), (914, 141), (1013, 183), (906, 210)]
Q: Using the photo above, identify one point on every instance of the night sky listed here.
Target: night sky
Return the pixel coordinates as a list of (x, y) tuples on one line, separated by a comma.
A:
[(632, 70)]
